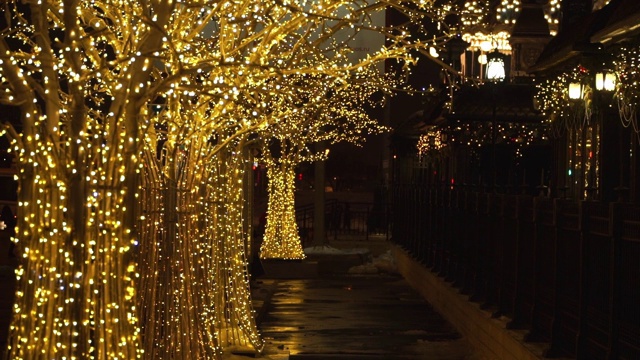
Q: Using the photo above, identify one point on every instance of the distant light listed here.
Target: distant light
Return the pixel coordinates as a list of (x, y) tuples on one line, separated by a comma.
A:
[(485, 45), (433, 52), (495, 68)]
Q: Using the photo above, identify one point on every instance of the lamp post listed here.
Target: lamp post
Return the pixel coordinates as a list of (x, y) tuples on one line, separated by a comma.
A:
[(605, 83), (495, 73), (587, 95)]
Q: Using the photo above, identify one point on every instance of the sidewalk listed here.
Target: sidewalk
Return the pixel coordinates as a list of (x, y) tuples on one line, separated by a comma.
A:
[(363, 311)]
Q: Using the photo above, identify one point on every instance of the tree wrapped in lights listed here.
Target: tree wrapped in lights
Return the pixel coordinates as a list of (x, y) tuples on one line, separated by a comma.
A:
[(324, 110), (322, 50), (235, 320), (83, 73), (193, 232), (281, 237), (176, 288), (77, 73)]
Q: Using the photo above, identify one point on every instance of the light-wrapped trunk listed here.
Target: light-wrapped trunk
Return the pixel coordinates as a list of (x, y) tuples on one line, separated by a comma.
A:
[(281, 237), (176, 286), (194, 287), (75, 290), (234, 317)]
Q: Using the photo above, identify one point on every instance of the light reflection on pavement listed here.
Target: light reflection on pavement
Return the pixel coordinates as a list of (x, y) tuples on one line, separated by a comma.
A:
[(357, 317)]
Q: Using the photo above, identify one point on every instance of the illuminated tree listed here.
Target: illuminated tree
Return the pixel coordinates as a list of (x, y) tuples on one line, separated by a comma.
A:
[(192, 230), (324, 110), (235, 320), (77, 73)]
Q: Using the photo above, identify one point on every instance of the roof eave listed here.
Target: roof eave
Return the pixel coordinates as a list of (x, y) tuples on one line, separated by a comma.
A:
[(560, 57), (626, 28)]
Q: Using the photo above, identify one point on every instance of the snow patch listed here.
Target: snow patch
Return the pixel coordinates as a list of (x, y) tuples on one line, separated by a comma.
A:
[(383, 263), (326, 249)]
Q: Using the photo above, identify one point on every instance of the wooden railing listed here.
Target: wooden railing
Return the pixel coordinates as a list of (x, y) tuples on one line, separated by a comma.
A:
[(566, 271)]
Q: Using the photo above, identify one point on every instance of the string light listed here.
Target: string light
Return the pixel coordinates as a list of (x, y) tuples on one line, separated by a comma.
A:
[(473, 13), (560, 111), (508, 11), (552, 12), (627, 91), (430, 142)]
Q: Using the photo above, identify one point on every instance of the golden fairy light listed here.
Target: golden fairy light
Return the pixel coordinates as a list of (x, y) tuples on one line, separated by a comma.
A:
[(281, 238), (627, 85), (430, 142)]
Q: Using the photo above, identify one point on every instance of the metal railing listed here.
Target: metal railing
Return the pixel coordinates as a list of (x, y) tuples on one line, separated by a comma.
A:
[(353, 220), (567, 271)]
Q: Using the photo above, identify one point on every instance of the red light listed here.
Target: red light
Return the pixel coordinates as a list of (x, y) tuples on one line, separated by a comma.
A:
[(300, 176)]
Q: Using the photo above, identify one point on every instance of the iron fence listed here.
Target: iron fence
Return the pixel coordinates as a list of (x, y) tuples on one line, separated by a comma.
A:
[(345, 220), (566, 271)]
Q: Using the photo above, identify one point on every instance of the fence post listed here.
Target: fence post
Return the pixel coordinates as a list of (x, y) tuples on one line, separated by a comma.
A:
[(583, 226), (525, 263), (616, 223)]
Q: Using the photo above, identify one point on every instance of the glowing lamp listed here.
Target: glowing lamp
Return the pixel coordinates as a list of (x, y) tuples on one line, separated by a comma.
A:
[(482, 59), (575, 91), (485, 45), (495, 66), (605, 81)]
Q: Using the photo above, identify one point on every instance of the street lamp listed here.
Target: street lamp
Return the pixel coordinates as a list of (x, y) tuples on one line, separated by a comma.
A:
[(603, 81), (455, 47), (495, 73)]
